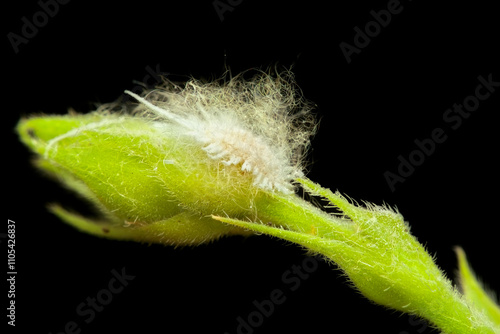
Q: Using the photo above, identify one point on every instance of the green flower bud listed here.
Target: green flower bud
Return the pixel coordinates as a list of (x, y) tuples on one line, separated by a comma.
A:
[(158, 173), (139, 178)]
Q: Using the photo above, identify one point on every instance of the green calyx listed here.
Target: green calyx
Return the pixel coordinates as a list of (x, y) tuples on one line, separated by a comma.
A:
[(139, 178)]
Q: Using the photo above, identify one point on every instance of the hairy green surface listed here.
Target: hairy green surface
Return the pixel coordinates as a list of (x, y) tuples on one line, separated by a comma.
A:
[(383, 261), (474, 291), (187, 171)]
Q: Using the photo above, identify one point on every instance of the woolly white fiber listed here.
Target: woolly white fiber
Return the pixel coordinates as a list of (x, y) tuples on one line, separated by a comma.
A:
[(261, 126)]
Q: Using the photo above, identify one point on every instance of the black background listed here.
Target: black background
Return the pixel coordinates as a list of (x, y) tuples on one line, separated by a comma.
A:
[(394, 91)]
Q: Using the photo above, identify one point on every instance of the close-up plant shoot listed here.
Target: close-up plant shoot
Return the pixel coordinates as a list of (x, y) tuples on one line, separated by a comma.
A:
[(184, 164)]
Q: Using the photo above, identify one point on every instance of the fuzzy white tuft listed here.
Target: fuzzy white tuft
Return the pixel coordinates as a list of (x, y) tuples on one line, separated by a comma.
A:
[(261, 126)]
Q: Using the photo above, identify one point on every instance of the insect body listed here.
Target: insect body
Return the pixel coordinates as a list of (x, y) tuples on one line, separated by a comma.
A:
[(227, 138)]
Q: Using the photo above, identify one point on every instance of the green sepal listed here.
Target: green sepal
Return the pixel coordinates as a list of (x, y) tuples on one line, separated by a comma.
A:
[(474, 291), (183, 229)]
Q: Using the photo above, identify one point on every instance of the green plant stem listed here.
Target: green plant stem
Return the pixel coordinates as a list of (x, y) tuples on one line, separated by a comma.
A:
[(374, 248)]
